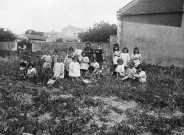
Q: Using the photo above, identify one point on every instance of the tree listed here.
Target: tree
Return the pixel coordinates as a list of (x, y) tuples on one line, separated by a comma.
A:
[(32, 32), (99, 33), (6, 35), (59, 40)]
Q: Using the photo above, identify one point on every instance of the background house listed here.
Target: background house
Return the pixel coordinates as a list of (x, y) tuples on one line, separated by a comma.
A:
[(156, 27), (52, 36), (70, 33), (31, 37)]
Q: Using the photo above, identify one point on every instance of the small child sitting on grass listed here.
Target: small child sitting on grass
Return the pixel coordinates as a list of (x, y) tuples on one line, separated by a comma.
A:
[(32, 73), (96, 65), (141, 74), (131, 71), (23, 69), (104, 71), (120, 69), (90, 76)]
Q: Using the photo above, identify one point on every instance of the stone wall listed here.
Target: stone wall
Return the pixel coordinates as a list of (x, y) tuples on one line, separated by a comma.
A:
[(158, 44), (11, 46), (42, 46)]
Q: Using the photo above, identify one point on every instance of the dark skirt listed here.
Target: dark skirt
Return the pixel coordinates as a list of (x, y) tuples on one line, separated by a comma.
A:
[(99, 59)]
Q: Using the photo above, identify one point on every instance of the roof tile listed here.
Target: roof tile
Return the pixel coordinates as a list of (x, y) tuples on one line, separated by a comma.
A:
[(152, 6)]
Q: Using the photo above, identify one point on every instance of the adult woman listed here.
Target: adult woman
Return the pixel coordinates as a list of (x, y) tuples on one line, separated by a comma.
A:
[(98, 54), (88, 51)]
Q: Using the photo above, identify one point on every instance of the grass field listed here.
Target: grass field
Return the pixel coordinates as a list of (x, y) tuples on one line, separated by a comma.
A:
[(107, 108)]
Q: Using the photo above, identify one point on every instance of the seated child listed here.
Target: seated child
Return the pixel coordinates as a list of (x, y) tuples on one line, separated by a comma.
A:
[(84, 64), (131, 71), (105, 70), (90, 75), (120, 69), (23, 66), (141, 74), (31, 72), (96, 65)]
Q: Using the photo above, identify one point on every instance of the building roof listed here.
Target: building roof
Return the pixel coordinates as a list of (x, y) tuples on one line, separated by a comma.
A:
[(152, 6), (36, 37)]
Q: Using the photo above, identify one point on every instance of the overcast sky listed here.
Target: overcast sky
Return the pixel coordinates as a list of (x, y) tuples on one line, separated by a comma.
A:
[(47, 15)]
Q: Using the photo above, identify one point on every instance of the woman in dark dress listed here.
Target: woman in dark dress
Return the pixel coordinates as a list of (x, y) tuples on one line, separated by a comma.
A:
[(89, 51), (98, 54)]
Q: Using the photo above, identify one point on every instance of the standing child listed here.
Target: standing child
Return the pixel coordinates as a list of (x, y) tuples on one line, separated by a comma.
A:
[(84, 64), (116, 56), (78, 50), (89, 51), (141, 74), (96, 65), (120, 69), (70, 55), (58, 69), (125, 56), (136, 57), (74, 69), (54, 58), (47, 63), (131, 71), (98, 54)]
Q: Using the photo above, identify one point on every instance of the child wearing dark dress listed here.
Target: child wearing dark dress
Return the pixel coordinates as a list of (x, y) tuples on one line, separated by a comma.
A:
[(116, 56), (98, 54), (23, 71), (89, 51)]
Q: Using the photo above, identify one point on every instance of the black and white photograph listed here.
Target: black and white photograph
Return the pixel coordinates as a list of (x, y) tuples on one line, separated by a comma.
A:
[(91, 67)]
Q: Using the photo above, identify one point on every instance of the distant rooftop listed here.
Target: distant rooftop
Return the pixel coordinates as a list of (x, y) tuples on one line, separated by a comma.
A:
[(152, 6), (36, 37)]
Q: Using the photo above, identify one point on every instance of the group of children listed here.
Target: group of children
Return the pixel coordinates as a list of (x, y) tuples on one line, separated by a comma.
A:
[(83, 66), (128, 67)]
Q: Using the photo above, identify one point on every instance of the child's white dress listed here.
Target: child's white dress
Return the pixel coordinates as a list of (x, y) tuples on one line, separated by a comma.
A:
[(136, 59), (141, 76), (58, 70), (48, 61), (116, 56), (95, 65), (125, 57), (131, 72), (120, 69), (68, 59), (74, 69), (84, 63), (31, 72), (78, 52)]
